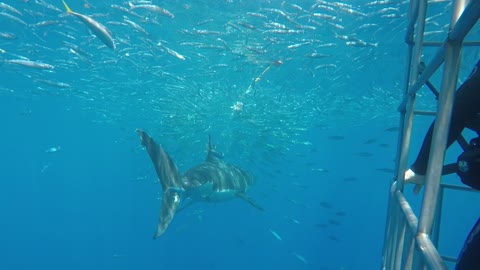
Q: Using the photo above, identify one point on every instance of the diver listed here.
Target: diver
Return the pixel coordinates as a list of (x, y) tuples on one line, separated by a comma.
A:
[(466, 109), (465, 113)]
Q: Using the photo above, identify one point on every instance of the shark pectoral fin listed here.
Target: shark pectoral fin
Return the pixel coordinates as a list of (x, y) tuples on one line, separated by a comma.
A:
[(170, 203), (244, 197)]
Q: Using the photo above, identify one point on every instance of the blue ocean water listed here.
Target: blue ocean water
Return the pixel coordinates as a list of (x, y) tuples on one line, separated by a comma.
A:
[(318, 131)]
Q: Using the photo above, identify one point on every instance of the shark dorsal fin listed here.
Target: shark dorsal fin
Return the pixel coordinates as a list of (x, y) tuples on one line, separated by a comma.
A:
[(212, 154)]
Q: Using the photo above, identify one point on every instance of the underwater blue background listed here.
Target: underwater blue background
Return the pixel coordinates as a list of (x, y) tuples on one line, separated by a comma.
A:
[(320, 140)]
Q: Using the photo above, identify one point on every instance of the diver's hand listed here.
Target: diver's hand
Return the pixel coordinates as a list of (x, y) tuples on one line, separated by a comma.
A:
[(413, 178)]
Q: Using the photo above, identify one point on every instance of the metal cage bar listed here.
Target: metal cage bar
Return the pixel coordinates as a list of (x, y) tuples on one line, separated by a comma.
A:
[(408, 242)]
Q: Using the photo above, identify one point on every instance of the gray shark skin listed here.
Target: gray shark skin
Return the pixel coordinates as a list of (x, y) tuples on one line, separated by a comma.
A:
[(213, 180)]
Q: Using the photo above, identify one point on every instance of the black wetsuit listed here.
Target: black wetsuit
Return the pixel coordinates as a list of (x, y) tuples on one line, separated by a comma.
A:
[(469, 256), (465, 107)]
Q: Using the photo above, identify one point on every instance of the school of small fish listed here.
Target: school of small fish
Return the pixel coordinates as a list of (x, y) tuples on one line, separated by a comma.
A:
[(189, 61)]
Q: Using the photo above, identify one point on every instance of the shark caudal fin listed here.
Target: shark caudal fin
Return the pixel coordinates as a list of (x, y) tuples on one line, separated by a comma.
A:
[(169, 179)]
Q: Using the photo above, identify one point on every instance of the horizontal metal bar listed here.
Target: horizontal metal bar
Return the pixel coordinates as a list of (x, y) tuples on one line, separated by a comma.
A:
[(440, 43), (449, 259), (458, 187), (429, 113), (429, 70), (464, 24)]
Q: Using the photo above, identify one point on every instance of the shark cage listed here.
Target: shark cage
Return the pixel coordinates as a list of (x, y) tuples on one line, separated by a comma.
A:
[(411, 242)]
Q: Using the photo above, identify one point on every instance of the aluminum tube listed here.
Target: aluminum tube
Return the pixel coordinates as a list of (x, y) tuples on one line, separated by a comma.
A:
[(395, 238), (438, 218), (440, 43), (409, 100), (449, 259), (407, 212), (412, 19), (439, 139), (403, 141), (408, 248), (418, 51), (399, 256), (464, 19), (431, 257), (458, 187), (429, 70), (429, 113), (462, 27), (457, 10), (388, 227), (390, 231)]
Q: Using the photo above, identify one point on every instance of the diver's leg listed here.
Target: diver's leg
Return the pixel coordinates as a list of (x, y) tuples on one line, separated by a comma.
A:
[(469, 256)]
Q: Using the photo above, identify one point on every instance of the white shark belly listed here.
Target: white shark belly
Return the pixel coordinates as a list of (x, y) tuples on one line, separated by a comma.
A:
[(207, 193)]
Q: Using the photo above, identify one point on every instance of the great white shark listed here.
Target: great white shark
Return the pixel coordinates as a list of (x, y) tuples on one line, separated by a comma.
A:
[(213, 180)]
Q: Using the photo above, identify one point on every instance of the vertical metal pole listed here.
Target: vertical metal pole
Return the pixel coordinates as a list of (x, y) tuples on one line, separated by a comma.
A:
[(440, 133), (410, 102), (394, 237), (400, 244), (408, 247), (388, 244), (438, 218), (393, 210)]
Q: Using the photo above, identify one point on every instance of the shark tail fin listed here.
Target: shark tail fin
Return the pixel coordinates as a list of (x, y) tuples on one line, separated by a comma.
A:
[(169, 179)]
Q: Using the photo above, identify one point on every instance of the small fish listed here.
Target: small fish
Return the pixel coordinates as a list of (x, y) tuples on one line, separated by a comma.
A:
[(44, 168), (152, 8), (171, 52), (10, 8), (53, 149), (257, 15), (392, 129), (334, 222), (300, 257), (317, 55), (13, 18), (9, 36), (370, 141), (349, 179), (295, 221), (53, 83), (30, 64), (385, 170), (275, 234), (364, 154), (45, 23), (326, 205), (333, 238), (136, 26), (97, 28)]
